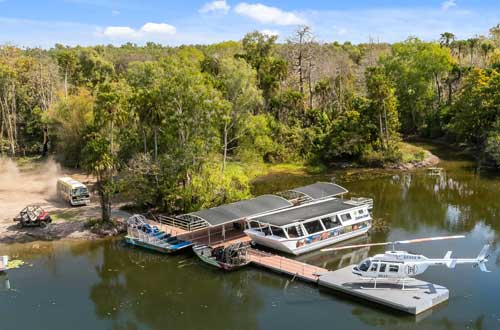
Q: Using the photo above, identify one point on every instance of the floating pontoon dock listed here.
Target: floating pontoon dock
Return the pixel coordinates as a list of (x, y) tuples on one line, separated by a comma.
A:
[(417, 297)]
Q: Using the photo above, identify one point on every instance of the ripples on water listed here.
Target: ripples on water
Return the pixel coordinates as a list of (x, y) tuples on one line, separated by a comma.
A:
[(107, 285)]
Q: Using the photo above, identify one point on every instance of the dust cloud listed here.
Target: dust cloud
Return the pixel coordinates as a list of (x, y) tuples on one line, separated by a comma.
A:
[(18, 188)]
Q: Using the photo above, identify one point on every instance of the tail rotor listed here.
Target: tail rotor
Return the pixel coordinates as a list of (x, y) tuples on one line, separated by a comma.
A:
[(482, 258)]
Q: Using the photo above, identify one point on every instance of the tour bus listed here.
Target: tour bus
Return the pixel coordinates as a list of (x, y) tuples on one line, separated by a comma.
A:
[(72, 191)]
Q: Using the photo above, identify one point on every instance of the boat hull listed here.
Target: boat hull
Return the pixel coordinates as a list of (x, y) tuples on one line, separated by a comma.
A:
[(299, 246), (221, 265), (162, 249)]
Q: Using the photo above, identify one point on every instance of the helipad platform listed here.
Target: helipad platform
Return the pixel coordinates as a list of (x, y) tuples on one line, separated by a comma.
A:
[(417, 297)]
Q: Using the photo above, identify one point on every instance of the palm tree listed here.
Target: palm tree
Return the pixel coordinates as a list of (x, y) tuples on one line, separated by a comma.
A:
[(446, 39), (472, 43), (486, 48)]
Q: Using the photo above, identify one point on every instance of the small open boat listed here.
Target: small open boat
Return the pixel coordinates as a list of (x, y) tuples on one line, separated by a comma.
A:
[(228, 258), (141, 233), (4, 263)]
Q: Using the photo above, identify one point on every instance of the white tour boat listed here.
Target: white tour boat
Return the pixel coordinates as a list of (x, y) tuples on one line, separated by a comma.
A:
[(311, 226)]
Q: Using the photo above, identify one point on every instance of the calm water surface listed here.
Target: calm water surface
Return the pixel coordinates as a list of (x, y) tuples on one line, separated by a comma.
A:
[(107, 285)]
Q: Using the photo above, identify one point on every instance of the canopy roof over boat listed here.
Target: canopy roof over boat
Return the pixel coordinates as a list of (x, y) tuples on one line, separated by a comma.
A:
[(321, 190), (260, 205), (305, 212), (240, 210)]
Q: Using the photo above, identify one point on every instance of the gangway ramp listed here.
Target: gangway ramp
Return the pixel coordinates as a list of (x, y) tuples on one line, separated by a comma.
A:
[(284, 265)]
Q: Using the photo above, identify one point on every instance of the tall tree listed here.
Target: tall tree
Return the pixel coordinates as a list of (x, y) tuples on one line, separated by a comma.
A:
[(416, 68), (472, 43), (382, 104), (447, 38), (238, 83), (300, 44), (259, 53)]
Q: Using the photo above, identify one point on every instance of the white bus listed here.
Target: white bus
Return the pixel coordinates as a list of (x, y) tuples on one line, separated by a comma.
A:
[(72, 191)]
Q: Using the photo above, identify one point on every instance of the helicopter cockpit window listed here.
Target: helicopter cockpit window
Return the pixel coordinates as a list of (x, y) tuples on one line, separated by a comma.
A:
[(364, 265)]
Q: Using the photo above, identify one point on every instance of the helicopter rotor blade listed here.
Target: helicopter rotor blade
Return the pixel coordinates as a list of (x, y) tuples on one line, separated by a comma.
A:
[(410, 241), (428, 239), (353, 246)]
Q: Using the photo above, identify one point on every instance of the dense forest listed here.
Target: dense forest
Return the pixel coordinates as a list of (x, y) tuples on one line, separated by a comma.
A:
[(172, 127)]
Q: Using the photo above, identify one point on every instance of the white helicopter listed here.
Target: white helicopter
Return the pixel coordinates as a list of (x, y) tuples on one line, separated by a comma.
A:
[(402, 265)]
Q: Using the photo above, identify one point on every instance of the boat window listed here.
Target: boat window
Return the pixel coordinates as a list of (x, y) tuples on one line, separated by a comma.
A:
[(266, 230), (292, 232), (277, 231), (364, 265), (346, 217), (374, 268), (393, 268), (254, 224), (382, 268), (313, 226), (330, 222)]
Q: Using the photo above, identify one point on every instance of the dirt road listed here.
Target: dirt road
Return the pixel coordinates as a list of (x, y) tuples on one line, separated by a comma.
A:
[(35, 183)]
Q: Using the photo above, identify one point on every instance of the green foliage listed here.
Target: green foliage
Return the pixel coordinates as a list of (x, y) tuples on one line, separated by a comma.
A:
[(178, 128), (414, 67), (477, 107), (208, 188), (71, 120), (492, 148)]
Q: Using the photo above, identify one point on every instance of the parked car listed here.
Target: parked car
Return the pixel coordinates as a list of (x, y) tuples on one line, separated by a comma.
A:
[(33, 215)]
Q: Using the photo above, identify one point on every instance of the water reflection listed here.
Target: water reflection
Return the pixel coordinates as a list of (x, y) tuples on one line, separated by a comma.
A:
[(139, 288)]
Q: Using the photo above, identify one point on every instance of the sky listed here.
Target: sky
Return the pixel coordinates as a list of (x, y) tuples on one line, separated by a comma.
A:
[(42, 23)]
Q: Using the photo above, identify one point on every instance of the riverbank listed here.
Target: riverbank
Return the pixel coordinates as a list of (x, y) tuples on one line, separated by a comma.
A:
[(33, 182)]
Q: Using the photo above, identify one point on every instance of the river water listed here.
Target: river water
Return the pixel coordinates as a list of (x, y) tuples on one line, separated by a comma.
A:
[(107, 285)]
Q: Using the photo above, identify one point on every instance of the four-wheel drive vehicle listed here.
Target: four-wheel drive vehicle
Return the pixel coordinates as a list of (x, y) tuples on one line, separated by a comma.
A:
[(33, 215)]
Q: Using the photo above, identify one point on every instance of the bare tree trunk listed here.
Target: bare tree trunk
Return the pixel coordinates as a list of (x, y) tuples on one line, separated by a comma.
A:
[(225, 149), (301, 74), (310, 86), (156, 142), (381, 130), (386, 125), (144, 140), (66, 82)]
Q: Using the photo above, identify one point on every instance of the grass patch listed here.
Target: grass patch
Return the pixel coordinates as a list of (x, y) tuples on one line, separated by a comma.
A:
[(411, 153), (254, 170), (67, 215)]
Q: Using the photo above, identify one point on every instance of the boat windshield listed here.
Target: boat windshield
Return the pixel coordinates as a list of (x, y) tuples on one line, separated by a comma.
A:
[(365, 265)]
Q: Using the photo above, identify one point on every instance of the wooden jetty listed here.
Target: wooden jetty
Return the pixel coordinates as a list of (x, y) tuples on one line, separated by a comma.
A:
[(283, 265)]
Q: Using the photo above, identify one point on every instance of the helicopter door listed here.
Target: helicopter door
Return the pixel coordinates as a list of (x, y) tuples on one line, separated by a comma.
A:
[(382, 269), (374, 268)]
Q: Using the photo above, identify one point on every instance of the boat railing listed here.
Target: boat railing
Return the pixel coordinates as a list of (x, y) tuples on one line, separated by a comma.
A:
[(358, 201), (144, 237), (185, 222)]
